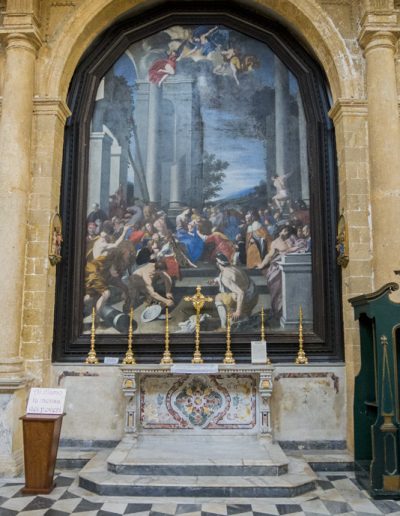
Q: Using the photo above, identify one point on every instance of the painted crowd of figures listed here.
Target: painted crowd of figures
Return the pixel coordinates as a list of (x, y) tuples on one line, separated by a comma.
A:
[(137, 253)]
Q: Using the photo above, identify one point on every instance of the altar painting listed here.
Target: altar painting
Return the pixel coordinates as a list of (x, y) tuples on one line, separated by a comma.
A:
[(198, 175)]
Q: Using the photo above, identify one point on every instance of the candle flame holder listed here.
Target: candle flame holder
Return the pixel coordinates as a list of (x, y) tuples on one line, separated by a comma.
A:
[(228, 355), (92, 357), (129, 355), (301, 356), (167, 358)]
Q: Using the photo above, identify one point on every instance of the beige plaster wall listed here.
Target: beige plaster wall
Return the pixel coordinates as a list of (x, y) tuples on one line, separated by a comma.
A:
[(329, 28)]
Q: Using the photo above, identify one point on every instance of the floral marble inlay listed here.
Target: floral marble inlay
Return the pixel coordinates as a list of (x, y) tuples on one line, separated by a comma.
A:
[(198, 401), (188, 402)]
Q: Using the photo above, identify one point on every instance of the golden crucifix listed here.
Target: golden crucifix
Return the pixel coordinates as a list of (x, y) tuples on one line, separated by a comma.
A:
[(198, 301)]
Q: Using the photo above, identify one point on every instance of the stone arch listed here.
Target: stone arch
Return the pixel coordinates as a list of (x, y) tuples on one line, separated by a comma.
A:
[(308, 19)]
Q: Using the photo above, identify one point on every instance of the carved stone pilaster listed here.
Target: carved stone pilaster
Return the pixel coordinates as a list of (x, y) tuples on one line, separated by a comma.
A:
[(378, 37), (265, 388), (129, 388)]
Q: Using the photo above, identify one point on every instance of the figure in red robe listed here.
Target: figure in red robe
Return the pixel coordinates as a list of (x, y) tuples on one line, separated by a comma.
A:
[(162, 68)]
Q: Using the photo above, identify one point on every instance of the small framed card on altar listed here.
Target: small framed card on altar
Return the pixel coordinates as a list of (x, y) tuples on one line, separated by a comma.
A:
[(258, 352)]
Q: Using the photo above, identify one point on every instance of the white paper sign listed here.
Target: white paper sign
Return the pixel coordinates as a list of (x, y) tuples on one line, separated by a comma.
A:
[(194, 368), (111, 360), (46, 401), (258, 352)]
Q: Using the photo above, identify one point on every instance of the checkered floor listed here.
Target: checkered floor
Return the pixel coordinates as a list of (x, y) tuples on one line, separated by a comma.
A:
[(337, 493)]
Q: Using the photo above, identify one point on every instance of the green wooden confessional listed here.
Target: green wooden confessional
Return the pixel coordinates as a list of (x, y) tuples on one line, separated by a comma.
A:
[(376, 394)]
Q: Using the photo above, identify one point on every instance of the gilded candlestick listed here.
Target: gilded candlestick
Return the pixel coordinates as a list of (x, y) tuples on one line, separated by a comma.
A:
[(92, 358), (301, 356), (228, 355), (167, 358), (263, 339), (198, 301), (129, 356)]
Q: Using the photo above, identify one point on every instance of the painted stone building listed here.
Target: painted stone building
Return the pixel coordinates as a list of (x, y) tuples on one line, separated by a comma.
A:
[(44, 47)]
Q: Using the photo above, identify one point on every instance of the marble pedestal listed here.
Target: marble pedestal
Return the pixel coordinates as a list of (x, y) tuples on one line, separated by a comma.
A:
[(296, 290)]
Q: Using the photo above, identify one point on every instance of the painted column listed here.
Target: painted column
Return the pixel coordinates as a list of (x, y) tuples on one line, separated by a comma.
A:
[(152, 175), (303, 161), (270, 148), (281, 117), (99, 170), (123, 169), (115, 167), (379, 42)]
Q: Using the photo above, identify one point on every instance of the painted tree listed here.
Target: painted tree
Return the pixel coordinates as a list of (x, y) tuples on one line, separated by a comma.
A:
[(213, 175)]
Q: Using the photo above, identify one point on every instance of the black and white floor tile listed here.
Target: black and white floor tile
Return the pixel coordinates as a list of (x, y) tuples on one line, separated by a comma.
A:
[(337, 493)]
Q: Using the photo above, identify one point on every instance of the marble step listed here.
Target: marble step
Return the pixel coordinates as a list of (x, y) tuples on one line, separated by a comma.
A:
[(233, 455), (96, 477)]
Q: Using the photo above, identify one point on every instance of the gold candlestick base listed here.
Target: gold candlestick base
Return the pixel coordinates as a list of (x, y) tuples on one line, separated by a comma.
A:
[(92, 358), (229, 358), (301, 358), (167, 358), (129, 358), (197, 358)]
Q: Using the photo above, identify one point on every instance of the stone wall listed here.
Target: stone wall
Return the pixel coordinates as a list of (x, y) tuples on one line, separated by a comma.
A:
[(42, 42)]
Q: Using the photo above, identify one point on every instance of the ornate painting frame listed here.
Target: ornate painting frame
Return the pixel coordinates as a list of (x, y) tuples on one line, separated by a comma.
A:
[(324, 342)]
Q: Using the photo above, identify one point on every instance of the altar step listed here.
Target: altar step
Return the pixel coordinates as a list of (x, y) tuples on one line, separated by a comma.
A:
[(183, 455), (182, 466)]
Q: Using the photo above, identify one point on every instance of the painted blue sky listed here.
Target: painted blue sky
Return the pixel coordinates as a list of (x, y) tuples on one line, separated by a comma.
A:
[(225, 105), (244, 155)]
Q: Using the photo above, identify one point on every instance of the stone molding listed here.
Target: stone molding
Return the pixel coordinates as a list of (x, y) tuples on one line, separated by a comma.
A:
[(379, 35), (22, 13), (222, 368), (12, 374), (348, 107), (44, 106), (12, 384), (21, 36)]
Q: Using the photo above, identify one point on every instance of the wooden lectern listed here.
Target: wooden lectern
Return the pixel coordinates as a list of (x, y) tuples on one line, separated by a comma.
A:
[(41, 435)]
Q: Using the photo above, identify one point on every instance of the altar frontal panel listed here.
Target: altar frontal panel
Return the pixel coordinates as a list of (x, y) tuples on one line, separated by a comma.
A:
[(198, 402)]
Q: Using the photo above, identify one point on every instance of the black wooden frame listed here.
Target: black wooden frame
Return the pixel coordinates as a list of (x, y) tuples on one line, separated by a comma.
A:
[(326, 341)]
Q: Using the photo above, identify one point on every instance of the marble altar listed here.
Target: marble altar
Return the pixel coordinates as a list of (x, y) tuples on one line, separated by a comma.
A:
[(234, 399)]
